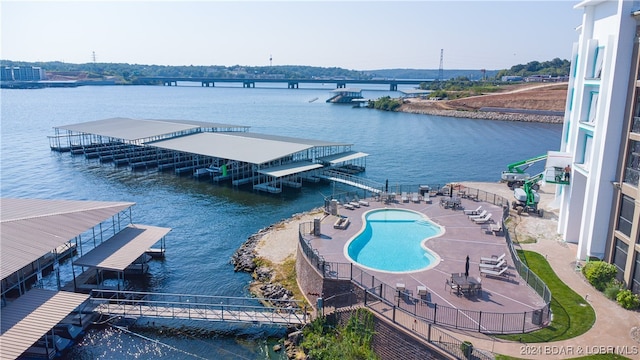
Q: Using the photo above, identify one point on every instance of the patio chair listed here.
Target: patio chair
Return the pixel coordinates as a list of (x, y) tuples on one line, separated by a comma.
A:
[(483, 220), (492, 266), (496, 273), (473, 212), (482, 214), (452, 286), (493, 259)]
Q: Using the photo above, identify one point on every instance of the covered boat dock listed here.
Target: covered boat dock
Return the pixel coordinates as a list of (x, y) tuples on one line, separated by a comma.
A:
[(26, 321), (222, 152), (33, 232), (125, 251)]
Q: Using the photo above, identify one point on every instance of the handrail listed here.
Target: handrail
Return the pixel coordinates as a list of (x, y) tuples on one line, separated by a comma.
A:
[(202, 307)]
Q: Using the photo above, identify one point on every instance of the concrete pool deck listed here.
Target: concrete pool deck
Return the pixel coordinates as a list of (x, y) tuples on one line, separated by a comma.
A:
[(461, 237), (614, 327)]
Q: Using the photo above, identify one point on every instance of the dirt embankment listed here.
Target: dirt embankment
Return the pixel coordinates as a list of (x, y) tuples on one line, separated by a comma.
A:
[(533, 97)]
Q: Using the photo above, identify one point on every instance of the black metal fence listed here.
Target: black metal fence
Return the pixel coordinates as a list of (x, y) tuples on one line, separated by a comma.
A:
[(481, 321)]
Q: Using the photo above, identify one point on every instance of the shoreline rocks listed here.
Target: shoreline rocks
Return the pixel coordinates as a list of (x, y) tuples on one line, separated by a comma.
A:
[(262, 285), (485, 115)]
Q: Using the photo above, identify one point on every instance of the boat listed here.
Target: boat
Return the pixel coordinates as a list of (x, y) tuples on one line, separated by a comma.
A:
[(68, 331)]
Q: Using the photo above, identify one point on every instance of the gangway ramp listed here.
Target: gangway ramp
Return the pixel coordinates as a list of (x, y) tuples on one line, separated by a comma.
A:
[(352, 180), (199, 307)]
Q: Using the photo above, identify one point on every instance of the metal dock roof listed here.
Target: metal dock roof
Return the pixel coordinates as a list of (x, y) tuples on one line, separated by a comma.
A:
[(342, 157), (252, 149), (27, 319), (291, 139), (141, 129), (290, 169), (32, 228), (122, 249), (129, 129)]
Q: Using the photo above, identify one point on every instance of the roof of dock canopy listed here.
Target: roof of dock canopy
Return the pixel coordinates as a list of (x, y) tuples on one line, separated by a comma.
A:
[(206, 124), (290, 169), (31, 228), (342, 157), (26, 320), (141, 129), (292, 139), (341, 90), (252, 148), (122, 249)]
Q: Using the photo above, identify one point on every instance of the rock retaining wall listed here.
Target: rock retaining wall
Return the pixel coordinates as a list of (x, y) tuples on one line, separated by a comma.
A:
[(486, 115)]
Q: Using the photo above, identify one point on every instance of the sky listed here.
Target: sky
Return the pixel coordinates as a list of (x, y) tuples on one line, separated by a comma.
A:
[(355, 35)]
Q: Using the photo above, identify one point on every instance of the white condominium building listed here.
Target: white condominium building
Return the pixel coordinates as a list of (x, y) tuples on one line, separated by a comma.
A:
[(600, 208)]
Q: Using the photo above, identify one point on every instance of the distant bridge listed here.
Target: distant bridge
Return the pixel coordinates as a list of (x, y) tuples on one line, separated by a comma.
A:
[(199, 307), (291, 83)]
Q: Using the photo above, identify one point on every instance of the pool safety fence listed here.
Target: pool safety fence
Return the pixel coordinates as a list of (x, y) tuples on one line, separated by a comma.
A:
[(381, 297)]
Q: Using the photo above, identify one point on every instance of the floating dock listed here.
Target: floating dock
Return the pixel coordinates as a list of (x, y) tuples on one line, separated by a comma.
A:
[(222, 152)]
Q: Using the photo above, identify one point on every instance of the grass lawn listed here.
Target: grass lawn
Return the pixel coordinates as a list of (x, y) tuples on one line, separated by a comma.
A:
[(572, 315)]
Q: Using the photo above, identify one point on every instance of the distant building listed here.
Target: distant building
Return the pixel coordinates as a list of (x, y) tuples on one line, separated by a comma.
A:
[(546, 78), (511, 78), (25, 73), (600, 208)]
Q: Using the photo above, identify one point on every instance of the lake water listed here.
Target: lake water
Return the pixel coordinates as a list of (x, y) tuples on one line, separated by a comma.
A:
[(210, 221)]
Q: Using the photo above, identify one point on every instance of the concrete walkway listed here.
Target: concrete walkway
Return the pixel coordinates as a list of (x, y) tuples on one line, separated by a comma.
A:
[(616, 330)]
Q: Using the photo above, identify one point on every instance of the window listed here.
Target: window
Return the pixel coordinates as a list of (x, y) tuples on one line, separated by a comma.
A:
[(635, 280), (571, 99), (597, 66), (625, 217), (620, 257), (632, 170), (593, 106), (586, 144)]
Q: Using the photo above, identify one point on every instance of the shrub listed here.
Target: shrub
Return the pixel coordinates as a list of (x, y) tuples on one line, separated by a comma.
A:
[(612, 290), (385, 103), (628, 300), (599, 273), (467, 348)]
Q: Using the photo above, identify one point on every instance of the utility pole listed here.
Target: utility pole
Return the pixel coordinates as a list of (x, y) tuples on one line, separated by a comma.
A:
[(441, 69)]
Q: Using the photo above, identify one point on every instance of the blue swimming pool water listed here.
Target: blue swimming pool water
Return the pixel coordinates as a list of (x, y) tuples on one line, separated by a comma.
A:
[(394, 240)]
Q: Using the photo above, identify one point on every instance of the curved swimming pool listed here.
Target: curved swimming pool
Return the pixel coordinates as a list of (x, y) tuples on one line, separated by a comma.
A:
[(394, 240)]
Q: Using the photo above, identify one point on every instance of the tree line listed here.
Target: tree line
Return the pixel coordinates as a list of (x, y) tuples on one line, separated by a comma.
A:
[(129, 72)]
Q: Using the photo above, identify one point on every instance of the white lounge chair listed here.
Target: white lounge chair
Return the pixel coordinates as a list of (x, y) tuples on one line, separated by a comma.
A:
[(483, 220), (360, 202), (493, 266), (426, 198), (482, 214), (495, 228), (473, 212), (501, 272), (405, 198), (415, 198), (493, 259)]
